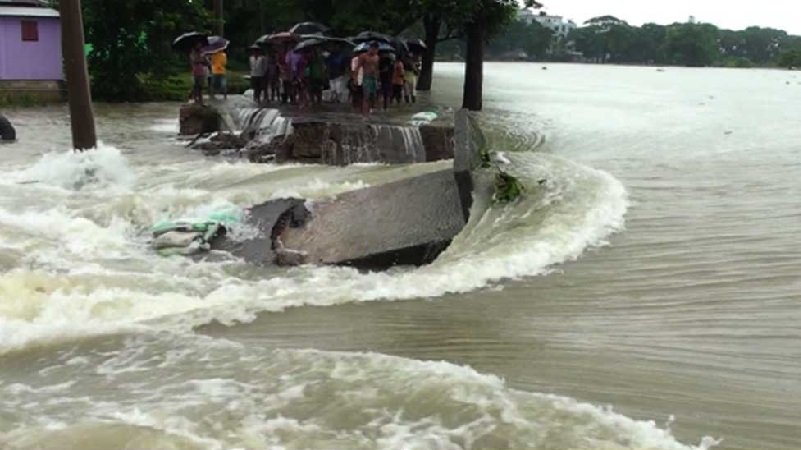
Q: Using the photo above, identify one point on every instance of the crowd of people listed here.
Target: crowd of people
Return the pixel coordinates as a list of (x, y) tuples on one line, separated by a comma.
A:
[(363, 78), (303, 77)]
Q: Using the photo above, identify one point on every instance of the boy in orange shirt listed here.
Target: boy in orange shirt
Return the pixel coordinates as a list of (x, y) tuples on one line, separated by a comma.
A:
[(219, 61)]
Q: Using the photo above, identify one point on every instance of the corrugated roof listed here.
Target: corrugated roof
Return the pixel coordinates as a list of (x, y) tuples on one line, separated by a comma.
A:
[(25, 2), (22, 11)]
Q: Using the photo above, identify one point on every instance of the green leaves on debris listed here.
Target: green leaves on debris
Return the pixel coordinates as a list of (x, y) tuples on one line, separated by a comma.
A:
[(486, 161), (507, 188)]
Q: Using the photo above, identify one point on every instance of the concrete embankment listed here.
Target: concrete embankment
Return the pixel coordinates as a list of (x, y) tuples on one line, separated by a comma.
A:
[(272, 135)]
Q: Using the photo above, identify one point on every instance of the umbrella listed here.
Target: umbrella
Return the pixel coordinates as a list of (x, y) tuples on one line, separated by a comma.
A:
[(277, 38), (367, 36), (216, 44), (187, 41), (400, 45), (364, 47), (309, 28), (309, 44), (416, 45)]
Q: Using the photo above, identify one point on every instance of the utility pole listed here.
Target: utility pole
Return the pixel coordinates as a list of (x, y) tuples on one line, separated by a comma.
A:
[(219, 26), (82, 118)]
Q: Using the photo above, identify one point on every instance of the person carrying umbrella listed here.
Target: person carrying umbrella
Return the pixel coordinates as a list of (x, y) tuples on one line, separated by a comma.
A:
[(199, 72)]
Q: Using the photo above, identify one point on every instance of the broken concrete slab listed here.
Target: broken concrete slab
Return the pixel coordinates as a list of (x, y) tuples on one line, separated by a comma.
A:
[(264, 220), (408, 222)]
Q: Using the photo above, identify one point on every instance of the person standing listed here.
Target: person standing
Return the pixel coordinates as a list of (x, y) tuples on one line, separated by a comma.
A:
[(410, 78), (355, 82), (385, 73), (219, 62), (257, 73), (397, 81), (368, 63), (337, 69), (198, 62), (316, 78), (272, 79)]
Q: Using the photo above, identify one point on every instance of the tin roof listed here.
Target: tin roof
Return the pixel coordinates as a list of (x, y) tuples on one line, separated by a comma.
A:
[(24, 11), (25, 2)]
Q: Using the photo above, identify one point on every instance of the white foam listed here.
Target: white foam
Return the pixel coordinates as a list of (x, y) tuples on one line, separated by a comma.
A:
[(85, 266), (196, 391), (103, 167)]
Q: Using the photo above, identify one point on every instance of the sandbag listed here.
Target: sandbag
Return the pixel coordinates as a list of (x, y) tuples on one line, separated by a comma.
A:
[(423, 118)]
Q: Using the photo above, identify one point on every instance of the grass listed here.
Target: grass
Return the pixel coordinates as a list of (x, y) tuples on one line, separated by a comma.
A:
[(178, 87), (23, 100)]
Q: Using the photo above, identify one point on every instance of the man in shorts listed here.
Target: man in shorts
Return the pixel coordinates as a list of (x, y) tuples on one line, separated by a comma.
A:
[(370, 72)]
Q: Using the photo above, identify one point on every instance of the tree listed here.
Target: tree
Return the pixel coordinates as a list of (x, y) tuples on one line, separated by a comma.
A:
[(442, 20), (534, 39), (488, 18), (132, 37), (692, 44)]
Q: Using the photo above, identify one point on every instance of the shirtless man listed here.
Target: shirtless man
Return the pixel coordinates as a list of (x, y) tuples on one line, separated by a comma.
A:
[(369, 65)]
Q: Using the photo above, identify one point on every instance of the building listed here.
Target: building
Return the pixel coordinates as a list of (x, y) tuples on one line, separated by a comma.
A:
[(561, 28), (561, 48), (30, 49)]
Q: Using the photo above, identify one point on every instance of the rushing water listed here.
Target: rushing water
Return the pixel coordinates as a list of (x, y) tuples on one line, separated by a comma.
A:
[(647, 298)]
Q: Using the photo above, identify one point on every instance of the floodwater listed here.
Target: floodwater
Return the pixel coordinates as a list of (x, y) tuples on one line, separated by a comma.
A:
[(647, 297)]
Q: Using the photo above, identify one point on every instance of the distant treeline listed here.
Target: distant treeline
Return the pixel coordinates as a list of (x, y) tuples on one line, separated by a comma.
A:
[(608, 39)]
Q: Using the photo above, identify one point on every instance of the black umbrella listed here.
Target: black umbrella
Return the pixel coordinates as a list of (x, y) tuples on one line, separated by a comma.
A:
[(368, 36), (400, 45), (309, 28), (187, 41), (309, 44), (283, 37), (416, 45)]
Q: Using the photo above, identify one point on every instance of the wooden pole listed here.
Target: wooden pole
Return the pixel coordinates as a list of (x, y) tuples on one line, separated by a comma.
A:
[(219, 26), (82, 119)]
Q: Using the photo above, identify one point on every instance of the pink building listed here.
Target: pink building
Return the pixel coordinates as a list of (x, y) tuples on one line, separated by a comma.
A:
[(30, 47)]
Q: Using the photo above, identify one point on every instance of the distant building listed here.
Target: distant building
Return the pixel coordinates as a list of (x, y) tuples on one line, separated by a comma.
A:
[(30, 47), (557, 24), (561, 47)]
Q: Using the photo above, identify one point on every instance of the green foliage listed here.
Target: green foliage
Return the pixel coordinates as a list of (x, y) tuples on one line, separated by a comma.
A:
[(507, 188), (790, 59), (609, 39), (691, 44), (738, 62), (534, 39), (132, 37)]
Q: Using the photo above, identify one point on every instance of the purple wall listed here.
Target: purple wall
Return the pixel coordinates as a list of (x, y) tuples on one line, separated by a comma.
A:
[(30, 60)]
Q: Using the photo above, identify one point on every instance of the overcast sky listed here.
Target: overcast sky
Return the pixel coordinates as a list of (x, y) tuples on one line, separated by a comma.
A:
[(783, 14)]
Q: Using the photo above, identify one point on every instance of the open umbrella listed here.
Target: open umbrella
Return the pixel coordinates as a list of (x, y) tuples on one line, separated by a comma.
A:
[(310, 28), (368, 36), (282, 37), (309, 44), (416, 45), (216, 44), (364, 47), (400, 45), (187, 41)]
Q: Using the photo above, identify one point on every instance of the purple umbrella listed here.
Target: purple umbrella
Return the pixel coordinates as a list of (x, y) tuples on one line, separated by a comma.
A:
[(216, 44)]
